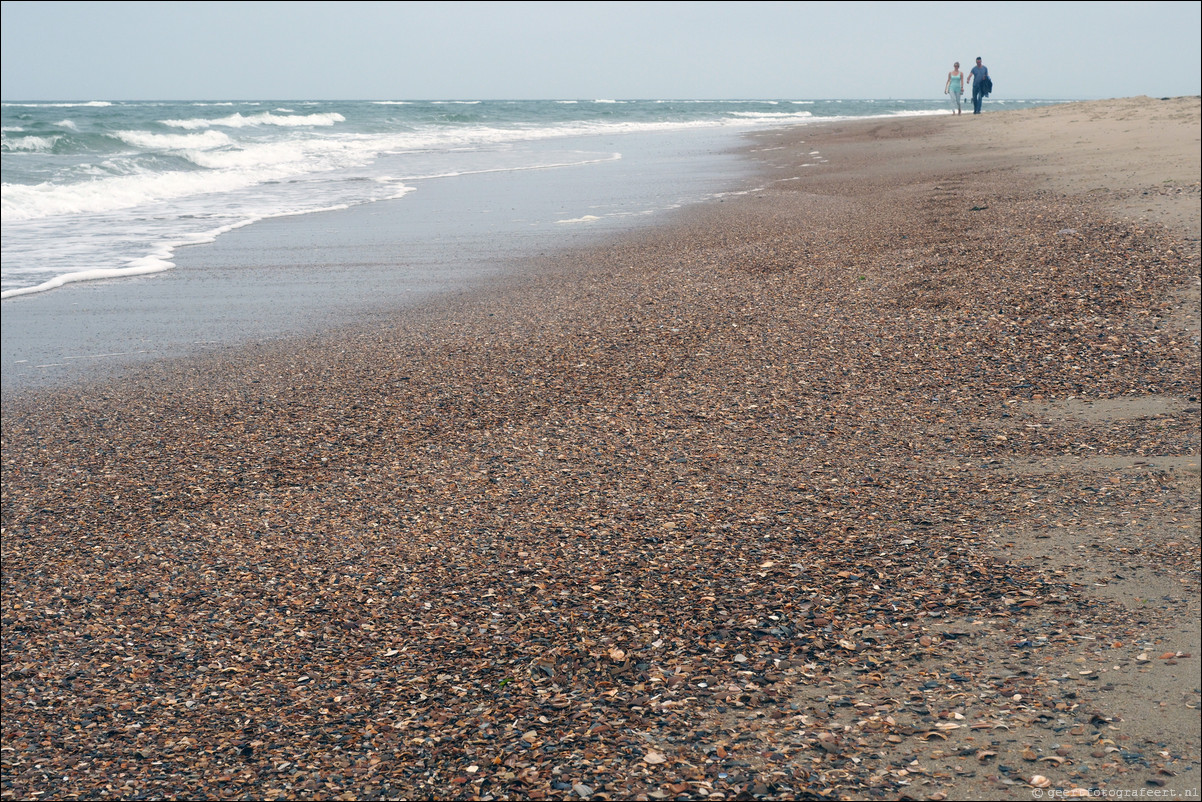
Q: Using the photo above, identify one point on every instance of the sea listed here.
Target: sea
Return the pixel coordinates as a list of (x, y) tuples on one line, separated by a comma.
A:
[(100, 190)]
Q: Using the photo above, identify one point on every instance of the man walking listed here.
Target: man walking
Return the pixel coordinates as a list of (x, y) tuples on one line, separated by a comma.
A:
[(978, 76)]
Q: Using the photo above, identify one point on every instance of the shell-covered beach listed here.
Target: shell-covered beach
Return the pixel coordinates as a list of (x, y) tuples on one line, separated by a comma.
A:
[(877, 480)]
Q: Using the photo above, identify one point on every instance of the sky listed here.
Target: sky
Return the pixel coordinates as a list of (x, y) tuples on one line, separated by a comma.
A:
[(591, 50)]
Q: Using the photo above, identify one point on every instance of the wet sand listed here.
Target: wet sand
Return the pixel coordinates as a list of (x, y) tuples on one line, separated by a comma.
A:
[(879, 480)]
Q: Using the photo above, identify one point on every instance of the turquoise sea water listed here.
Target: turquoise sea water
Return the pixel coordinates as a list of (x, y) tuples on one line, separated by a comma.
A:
[(105, 190)]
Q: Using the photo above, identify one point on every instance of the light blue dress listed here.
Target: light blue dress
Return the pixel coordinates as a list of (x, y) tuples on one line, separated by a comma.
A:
[(953, 89)]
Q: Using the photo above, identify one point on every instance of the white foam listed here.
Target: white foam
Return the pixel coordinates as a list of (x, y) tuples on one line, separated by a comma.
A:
[(226, 169), (149, 141), (771, 115), (40, 201), (237, 120), (95, 104), (687, 102), (158, 260), (87, 275), (30, 144)]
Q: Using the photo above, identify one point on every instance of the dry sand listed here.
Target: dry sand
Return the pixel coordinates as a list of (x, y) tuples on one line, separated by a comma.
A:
[(879, 480)]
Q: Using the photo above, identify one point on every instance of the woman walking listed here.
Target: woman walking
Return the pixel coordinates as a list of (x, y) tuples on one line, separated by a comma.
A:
[(954, 88)]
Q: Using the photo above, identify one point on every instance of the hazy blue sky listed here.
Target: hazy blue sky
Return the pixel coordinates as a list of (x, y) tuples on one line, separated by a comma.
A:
[(471, 50)]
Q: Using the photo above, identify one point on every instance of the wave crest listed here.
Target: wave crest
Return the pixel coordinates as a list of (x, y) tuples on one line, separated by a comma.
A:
[(265, 118)]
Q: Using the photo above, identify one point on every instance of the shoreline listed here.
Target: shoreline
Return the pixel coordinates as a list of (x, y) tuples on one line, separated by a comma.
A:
[(306, 274), (878, 482)]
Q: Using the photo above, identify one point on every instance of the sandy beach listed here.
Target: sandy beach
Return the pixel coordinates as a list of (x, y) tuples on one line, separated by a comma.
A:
[(878, 479)]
